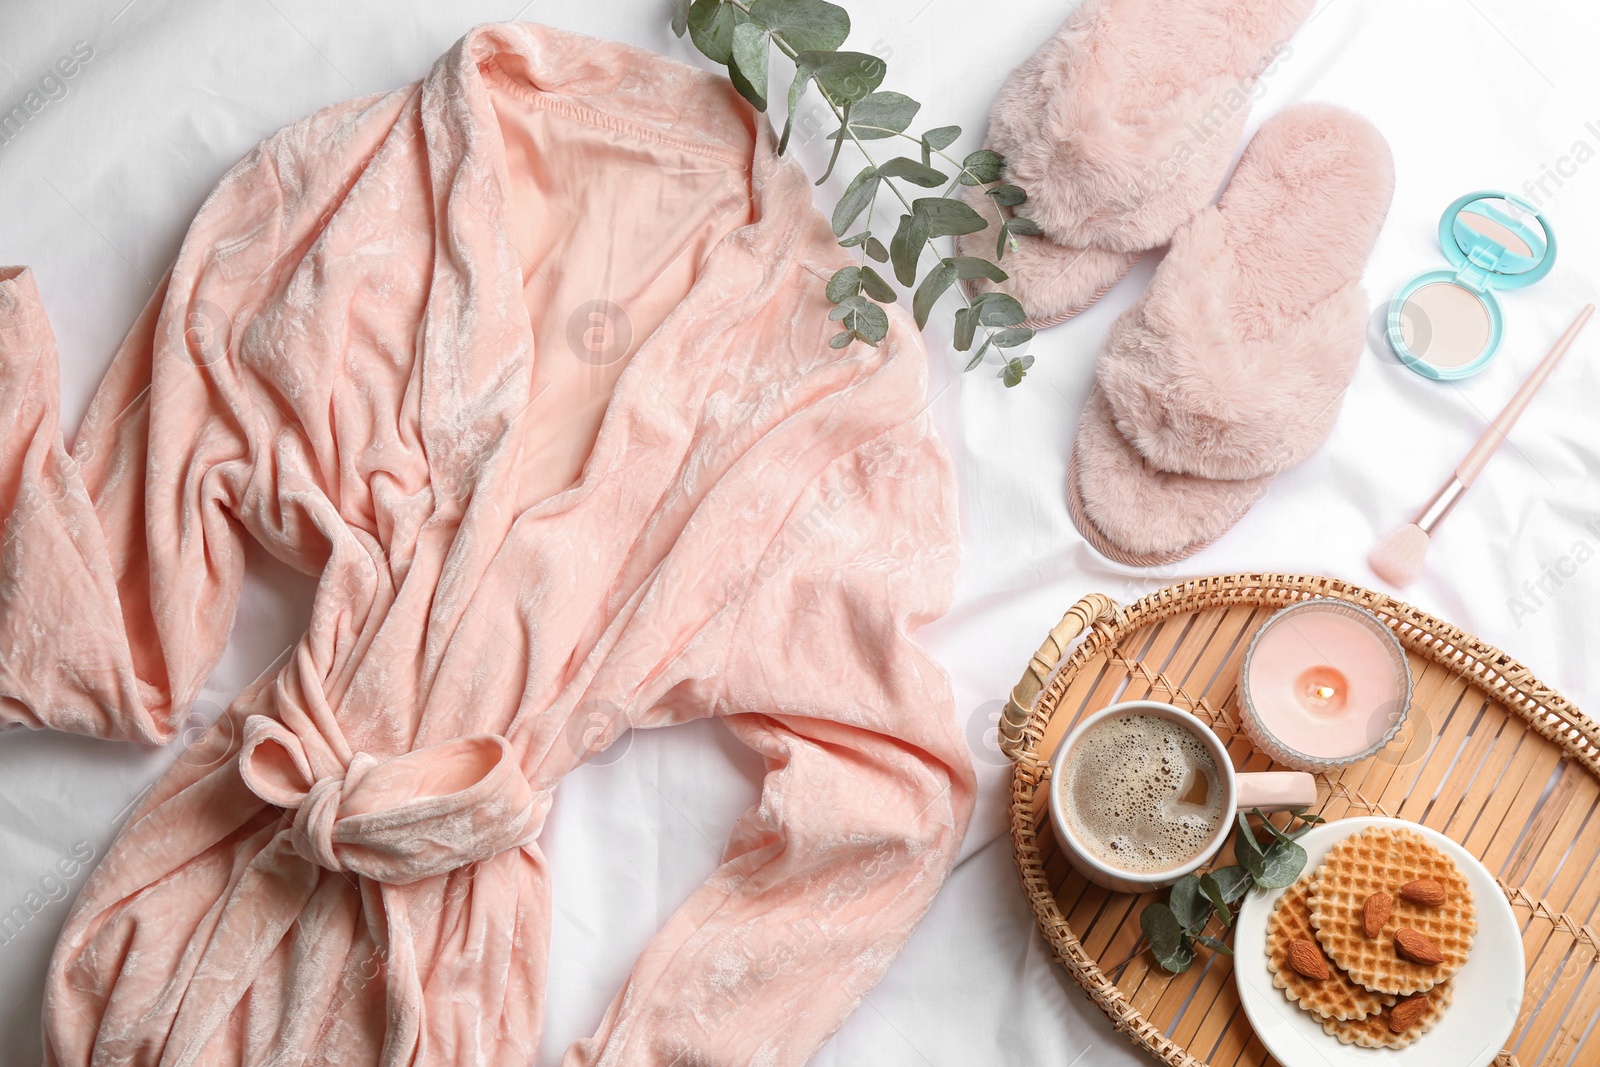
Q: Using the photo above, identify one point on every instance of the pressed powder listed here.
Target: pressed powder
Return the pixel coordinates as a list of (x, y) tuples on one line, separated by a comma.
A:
[(1445, 324)]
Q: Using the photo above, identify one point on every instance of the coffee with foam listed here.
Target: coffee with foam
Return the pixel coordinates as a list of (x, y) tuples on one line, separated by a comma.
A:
[(1141, 793)]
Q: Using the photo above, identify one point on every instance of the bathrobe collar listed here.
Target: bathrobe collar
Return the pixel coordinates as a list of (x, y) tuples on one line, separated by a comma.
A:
[(661, 392)]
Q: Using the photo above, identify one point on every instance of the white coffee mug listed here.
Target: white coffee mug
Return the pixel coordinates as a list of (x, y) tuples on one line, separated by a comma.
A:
[(1267, 790)]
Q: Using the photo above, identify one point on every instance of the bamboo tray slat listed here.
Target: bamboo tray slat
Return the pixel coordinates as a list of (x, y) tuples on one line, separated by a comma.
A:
[(1489, 756)]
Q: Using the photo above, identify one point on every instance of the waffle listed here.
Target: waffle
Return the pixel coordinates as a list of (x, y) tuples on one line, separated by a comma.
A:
[(1385, 858), (1334, 998), (1374, 1032)]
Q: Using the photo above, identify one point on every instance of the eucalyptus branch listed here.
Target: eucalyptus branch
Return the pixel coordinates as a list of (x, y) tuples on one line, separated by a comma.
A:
[(739, 34), (1174, 929), (867, 276)]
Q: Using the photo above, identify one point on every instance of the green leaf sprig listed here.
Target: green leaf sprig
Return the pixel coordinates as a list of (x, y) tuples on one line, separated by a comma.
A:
[(1176, 927), (739, 34)]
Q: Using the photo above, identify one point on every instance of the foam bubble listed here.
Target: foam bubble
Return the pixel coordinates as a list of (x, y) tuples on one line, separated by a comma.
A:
[(1125, 791)]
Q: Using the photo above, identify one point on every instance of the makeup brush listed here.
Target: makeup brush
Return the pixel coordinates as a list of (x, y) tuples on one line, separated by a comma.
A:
[(1398, 558)]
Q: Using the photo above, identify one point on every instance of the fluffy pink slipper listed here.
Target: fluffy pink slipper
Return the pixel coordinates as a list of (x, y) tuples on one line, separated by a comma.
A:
[(1147, 510), (1232, 366), (1119, 128)]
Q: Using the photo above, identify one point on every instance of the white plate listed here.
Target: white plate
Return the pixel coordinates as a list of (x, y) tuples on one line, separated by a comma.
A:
[(1473, 1029)]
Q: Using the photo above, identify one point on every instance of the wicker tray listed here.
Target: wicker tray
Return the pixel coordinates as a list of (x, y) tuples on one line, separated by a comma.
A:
[(1489, 756)]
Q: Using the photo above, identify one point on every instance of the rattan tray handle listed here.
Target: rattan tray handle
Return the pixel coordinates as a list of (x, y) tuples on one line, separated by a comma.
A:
[(1096, 607)]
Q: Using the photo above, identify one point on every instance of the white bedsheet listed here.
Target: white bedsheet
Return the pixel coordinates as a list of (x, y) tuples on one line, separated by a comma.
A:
[(98, 187)]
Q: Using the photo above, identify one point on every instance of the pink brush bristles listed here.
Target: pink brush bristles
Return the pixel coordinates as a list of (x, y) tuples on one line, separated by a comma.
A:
[(1398, 558)]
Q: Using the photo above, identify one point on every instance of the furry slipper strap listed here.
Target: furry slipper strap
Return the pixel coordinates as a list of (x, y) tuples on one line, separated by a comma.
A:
[(1120, 127), (1233, 364)]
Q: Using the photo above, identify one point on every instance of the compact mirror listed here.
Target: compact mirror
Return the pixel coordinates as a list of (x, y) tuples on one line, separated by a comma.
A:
[(1447, 324), (1498, 235)]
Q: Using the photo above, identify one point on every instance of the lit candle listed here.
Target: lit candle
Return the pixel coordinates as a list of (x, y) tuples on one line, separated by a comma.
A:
[(1325, 684), (1322, 688)]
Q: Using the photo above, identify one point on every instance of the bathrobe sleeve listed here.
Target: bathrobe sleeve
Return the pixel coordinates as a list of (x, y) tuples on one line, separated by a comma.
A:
[(123, 558), (869, 784)]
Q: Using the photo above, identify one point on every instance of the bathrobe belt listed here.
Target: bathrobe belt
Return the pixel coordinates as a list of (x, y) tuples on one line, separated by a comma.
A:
[(397, 820)]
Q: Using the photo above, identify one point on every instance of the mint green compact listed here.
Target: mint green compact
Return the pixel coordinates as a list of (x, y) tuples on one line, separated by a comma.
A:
[(1446, 324)]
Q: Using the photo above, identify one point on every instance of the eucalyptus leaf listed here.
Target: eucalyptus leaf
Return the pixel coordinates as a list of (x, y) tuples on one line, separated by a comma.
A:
[(1004, 240), (1272, 827), (1007, 195), (1015, 370), (1214, 944), (842, 76), (906, 246), (1190, 907), (748, 67), (1181, 959), (857, 195), (977, 357), (881, 114), (1257, 866), (1011, 337), (1162, 928), (848, 306), (804, 25), (1283, 864), (876, 250), (948, 217), (871, 323), (834, 157), (873, 285), (1248, 851), (1024, 225), (839, 340), (982, 167), (845, 283), (1306, 821), (854, 239), (1213, 892), (711, 24), (1235, 882), (977, 267), (941, 137), (913, 172), (933, 286), (680, 17), (998, 309), (966, 327)]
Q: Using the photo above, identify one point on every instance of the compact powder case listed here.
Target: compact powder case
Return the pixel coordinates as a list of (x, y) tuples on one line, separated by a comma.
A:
[(1446, 324)]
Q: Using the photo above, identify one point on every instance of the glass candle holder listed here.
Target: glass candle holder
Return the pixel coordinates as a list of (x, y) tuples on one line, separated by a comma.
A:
[(1325, 684)]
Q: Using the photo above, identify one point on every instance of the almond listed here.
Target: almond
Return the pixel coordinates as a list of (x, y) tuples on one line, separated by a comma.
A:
[(1307, 958), (1417, 948), (1407, 1012), (1376, 912), (1423, 891)]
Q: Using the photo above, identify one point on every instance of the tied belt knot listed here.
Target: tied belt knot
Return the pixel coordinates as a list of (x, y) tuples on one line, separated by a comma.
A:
[(398, 820)]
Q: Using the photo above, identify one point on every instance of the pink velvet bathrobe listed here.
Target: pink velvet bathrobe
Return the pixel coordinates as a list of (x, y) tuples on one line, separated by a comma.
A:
[(528, 362)]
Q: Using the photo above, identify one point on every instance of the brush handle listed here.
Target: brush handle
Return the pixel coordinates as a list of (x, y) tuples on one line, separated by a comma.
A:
[(1470, 467)]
